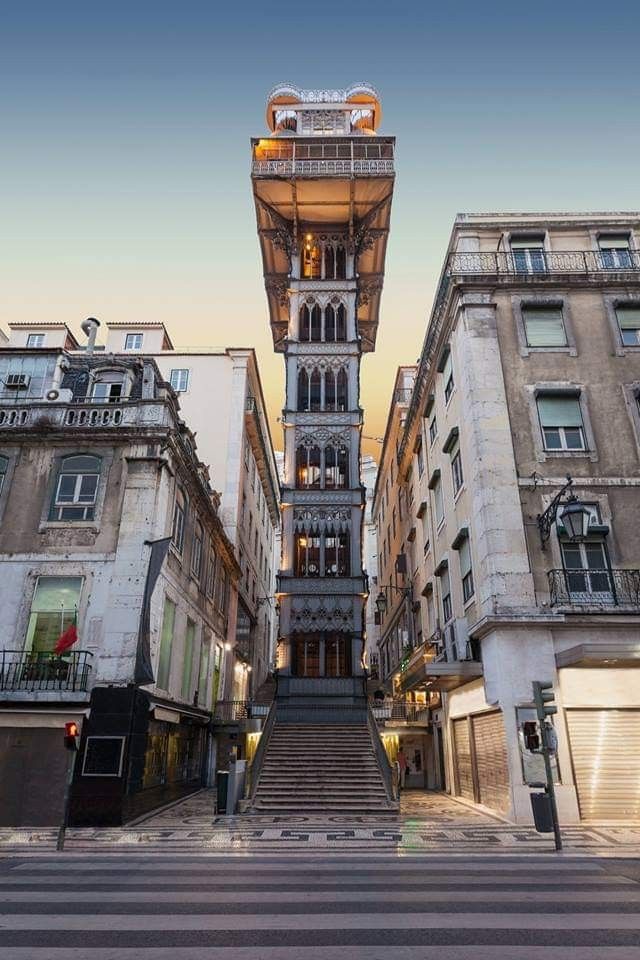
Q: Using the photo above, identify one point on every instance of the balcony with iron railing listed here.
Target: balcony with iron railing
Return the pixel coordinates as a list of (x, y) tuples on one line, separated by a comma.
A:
[(236, 711), (608, 589), (545, 263), (328, 156), (82, 415), (389, 711), (30, 671)]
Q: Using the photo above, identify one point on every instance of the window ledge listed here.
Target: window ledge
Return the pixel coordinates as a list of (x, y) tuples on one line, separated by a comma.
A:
[(458, 493), (469, 602), (68, 525), (570, 351)]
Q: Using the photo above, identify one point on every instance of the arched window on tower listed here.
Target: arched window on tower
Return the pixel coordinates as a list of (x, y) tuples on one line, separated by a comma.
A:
[(342, 391), (307, 555), (336, 555), (315, 390), (303, 390), (305, 322), (308, 467), (329, 262), (336, 467), (330, 391), (341, 263), (341, 322), (329, 324), (311, 259), (316, 324)]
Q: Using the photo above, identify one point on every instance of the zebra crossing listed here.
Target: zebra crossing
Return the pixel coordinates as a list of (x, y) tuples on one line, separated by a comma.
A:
[(321, 905)]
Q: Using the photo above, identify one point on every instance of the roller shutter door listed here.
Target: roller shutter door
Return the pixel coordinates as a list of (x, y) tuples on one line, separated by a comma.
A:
[(464, 772), (605, 747), (491, 760)]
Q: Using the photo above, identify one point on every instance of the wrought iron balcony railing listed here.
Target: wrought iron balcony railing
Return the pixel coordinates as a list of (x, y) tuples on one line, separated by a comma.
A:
[(28, 670), (399, 710), (594, 588), (544, 263), (232, 711)]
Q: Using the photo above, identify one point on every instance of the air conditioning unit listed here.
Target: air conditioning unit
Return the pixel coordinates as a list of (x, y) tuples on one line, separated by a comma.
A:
[(60, 395), (17, 381)]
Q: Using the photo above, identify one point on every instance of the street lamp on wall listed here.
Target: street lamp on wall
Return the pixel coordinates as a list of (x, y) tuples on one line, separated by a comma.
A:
[(574, 516)]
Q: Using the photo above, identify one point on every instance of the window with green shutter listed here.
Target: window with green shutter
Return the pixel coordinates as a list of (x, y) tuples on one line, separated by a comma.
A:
[(466, 571), (166, 640), (544, 326), (187, 661), (629, 323), (561, 421)]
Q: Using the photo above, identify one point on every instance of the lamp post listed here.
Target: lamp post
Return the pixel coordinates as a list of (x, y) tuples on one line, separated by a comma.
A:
[(574, 516)]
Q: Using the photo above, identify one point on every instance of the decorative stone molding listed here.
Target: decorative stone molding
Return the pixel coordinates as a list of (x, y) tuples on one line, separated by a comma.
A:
[(279, 289), (322, 614), (321, 437), (317, 520)]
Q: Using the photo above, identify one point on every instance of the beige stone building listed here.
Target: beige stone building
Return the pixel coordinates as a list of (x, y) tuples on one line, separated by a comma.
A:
[(530, 371)]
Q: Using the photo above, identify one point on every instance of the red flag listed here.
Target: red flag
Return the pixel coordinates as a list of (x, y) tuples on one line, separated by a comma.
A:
[(66, 640)]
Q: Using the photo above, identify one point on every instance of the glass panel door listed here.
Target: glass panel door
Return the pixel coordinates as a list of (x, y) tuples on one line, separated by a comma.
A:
[(587, 572)]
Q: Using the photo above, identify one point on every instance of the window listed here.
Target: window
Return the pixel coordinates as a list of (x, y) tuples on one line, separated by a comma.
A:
[(211, 573), (35, 340), (447, 377), (222, 589), (439, 501), (107, 387), (466, 571), (336, 467), (4, 466), (393, 522), (76, 489), (179, 516), (179, 379), (528, 254), (456, 469), (420, 456), (614, 252), (54, 609), (203, 669), (308, 467), (561, 422), (544, 326), (133, 341), (433, 430), (187, 661), (587, 573), (166, 641), (307, 555), (445, 585), (196, 553), (628, 318)]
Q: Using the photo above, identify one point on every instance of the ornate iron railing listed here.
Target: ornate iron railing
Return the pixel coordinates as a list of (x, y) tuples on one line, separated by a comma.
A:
[(544, 263), (594, 588), (232, 711), (400, 710), (327, 168), (28, 670)]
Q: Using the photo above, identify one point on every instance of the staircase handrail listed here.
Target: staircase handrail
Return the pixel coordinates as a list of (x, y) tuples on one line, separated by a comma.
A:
[(253, 772), (390, 780)]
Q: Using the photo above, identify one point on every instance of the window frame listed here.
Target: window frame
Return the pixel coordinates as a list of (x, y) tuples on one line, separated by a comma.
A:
[(133, 337), (40, 337), (561, 301), (88, 507), (197, 548), (179, 520), (562, 429), (180, 371), (560, 388)]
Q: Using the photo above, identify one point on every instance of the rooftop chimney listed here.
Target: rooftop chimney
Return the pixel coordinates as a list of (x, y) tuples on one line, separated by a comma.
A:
[(90, 327)]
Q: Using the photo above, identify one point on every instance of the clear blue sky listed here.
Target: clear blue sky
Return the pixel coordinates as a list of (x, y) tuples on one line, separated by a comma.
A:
[(125, 129)]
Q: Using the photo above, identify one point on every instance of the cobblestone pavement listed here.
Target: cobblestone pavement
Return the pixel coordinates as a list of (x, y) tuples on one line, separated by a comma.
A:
[(426, 823)]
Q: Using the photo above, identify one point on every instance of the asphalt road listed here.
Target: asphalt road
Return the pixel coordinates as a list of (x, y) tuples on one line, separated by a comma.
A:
[(307, 907)]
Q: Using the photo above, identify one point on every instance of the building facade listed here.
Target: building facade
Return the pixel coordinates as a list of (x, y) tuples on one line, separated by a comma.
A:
[(369, 472), (530, 371), (322, 183), (96, 466)]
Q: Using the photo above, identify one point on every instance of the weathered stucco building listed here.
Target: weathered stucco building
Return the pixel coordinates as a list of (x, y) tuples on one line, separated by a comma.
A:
[(530, 371), (95, 466)]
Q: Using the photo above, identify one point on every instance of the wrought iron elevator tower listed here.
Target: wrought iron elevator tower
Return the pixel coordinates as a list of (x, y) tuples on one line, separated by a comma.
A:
[(323, 185)]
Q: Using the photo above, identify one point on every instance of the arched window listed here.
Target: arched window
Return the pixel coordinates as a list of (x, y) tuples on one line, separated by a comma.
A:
[(311, 259), (329, 324), (341, 323), (307, 555), (336, 555), (179, 519), (336, 655), (329, 262), (108, 386), (74, 496), (316, 324), (305, 324), (308, 467), (4, 466), (303, 390), (330, 390), (342, 391), (315, 390), (336, 467), (341, 263)]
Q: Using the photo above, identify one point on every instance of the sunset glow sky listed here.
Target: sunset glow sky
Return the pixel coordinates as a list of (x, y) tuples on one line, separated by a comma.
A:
[(125, 149)]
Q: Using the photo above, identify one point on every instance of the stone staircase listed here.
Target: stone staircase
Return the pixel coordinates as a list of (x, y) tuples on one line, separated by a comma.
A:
[(316, 768)]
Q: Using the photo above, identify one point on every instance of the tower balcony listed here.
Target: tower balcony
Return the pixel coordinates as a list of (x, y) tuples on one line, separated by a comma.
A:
[(323, 157)]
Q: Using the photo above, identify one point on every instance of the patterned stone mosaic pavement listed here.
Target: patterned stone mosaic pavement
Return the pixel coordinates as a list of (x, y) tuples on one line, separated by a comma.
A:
[(426, 823)]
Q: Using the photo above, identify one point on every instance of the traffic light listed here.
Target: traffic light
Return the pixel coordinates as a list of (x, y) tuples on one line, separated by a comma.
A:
[(71, 735), (544, 697)]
